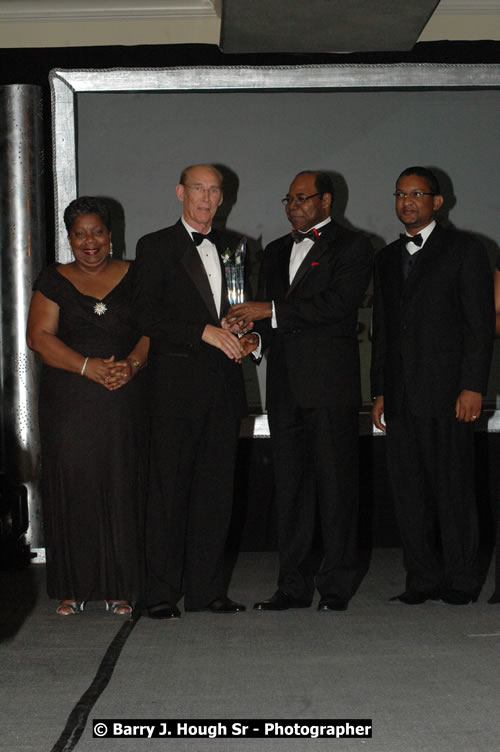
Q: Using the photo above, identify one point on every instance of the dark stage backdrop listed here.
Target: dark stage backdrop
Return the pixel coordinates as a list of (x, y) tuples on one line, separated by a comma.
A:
[(132, 147)]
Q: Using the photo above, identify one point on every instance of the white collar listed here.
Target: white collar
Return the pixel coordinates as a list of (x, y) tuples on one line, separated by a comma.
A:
[(424, 234), (191, 229)]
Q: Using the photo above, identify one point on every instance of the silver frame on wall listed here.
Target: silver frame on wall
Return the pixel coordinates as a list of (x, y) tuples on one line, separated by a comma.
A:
[(66, 84)]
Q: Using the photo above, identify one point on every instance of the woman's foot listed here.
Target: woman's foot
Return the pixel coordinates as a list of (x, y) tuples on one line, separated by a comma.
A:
[(69, 607), (120, 608)]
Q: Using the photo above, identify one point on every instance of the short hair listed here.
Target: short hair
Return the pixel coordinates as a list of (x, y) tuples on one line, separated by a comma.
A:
[(322, 181), (184, 173), (87, 205), (424, 172)]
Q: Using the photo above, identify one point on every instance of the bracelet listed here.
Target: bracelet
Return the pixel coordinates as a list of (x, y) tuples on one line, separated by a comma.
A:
[(84, 366), (134, 362)]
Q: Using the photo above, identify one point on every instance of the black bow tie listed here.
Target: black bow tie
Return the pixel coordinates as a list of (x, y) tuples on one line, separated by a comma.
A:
[(417, 239), (198, 237), (298, 236)]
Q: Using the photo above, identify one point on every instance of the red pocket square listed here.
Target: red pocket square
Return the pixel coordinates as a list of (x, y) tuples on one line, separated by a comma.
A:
[(315, 263)]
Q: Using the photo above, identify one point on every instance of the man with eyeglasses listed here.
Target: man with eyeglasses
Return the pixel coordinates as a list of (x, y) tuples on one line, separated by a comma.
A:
[(433, 327), (311, 284), (196, 402)]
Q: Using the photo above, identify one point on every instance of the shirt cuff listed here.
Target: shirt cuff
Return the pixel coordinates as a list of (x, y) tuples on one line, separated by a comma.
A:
[(257, 353)]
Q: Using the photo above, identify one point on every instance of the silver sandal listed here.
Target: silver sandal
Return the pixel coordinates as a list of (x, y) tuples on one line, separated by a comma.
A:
[(119, 608), (74, 607)]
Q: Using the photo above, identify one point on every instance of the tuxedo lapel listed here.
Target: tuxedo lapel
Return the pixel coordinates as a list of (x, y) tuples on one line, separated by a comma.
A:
[(283, 265), (394, 271), (192, 263), (316, 251)]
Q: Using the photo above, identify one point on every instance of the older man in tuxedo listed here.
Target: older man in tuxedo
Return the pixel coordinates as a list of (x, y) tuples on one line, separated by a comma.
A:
[(196, 403), (311, 285), (433, 324)]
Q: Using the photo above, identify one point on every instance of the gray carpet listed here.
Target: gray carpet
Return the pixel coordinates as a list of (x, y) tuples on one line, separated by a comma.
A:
[(427, 676)]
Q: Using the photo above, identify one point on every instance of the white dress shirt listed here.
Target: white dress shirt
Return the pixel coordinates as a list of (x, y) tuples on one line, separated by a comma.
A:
[(300, 251), (297, 256), (210, 259)]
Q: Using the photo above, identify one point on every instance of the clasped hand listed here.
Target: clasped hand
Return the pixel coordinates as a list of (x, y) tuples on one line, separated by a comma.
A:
[(109, 373), (224, 338), (241, 317)]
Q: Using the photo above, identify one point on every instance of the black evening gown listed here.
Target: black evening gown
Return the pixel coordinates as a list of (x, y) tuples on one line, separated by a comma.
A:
[(93, 452)]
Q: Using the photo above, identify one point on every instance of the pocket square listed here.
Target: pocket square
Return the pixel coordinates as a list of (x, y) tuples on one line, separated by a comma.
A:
[(315, 263)]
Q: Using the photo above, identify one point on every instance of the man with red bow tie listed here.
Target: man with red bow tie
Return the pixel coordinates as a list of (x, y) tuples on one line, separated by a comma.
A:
[(312, 282)]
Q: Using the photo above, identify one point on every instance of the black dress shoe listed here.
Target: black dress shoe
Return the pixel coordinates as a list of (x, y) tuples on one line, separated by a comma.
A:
[(414, 597), (226, 606), (456, 597), (163, 611), (281, 601), (221, 606), (332, 603)]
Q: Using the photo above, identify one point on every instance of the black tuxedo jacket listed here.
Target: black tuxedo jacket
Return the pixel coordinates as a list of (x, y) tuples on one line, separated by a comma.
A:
[(173, 303), (315, 344), (433, 334)]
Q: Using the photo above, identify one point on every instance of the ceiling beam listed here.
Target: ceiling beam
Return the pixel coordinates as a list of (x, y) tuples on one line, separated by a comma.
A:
[(322, 25)]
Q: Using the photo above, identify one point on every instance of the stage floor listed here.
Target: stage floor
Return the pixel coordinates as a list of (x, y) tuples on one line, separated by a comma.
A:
[(427, 676)]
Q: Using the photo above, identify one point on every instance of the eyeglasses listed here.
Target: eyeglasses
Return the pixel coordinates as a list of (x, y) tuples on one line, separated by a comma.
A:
[(213, 190), (299, 199), (412, 194)]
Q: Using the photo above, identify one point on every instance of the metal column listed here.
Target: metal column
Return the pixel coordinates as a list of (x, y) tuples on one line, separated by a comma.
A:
[(22, 254)]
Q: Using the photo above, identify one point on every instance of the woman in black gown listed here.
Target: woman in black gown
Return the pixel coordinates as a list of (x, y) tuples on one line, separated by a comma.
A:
[(92, 422)]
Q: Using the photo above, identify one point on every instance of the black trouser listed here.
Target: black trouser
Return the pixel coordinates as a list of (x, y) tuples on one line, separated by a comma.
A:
[(189, 505), (315, 454), (431, 468)]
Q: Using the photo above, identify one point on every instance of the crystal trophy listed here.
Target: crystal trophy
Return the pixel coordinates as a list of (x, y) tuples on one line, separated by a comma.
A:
[(234, 268)]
